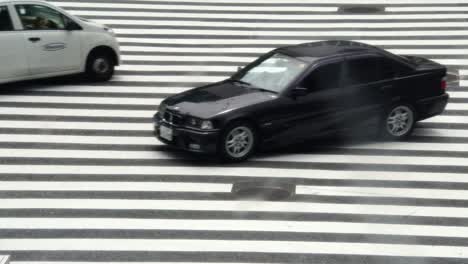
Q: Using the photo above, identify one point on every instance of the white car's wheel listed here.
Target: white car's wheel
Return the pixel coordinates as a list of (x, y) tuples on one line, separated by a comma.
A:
[(100, 67)]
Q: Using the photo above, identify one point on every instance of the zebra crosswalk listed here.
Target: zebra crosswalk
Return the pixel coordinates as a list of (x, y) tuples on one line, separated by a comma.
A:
[(83, 180)]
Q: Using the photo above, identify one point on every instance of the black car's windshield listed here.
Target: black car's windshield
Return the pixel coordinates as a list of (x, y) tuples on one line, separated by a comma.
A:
[(274, 73)]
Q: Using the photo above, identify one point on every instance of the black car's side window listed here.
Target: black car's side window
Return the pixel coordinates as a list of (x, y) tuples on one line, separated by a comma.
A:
[(324, 77), (5, 20), (389, 69), (360, 70)]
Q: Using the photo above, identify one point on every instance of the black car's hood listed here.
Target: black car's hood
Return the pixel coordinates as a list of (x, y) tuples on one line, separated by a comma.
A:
[(210, 100)]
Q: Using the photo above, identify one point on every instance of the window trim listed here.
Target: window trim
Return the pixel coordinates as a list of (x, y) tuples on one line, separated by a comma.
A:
[(10, 17)]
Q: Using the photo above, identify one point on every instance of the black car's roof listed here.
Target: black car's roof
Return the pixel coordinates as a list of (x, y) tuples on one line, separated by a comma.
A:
[(327, 48), (314, 51)]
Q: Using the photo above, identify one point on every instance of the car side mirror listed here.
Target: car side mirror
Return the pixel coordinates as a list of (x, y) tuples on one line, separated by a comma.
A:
[(299, 91), (239, 68)]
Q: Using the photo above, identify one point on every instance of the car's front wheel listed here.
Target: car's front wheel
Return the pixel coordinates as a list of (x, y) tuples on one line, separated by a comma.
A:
[(238, 142), (100, 67), (399, 122)]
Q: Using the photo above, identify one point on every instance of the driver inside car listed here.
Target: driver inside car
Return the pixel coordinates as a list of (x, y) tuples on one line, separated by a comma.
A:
[(43, 23)]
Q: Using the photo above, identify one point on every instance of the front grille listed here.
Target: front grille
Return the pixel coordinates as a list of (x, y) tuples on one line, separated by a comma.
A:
[(172, 118)]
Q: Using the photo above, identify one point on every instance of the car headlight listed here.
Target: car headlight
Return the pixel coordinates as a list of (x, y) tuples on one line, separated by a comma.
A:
[(199, 123), (108, 29), (206, 125)]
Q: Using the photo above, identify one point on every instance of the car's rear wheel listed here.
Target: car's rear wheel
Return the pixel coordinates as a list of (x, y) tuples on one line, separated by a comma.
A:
[(399, 122), (238, 142), (100, 67)]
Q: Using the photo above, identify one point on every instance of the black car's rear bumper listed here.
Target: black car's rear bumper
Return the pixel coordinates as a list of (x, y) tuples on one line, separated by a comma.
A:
[(188, 139), (432, 106)]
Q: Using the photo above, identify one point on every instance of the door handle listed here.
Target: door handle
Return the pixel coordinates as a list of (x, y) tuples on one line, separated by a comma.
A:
[(34, 39), (54, 46)]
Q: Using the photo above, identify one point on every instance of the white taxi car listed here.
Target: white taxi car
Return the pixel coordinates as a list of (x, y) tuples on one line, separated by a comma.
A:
[(40, 40)]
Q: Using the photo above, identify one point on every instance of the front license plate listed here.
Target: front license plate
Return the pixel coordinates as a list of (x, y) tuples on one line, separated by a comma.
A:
[(165, 132)]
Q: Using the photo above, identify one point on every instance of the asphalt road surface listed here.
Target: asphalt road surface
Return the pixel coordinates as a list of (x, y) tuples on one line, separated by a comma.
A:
[(83, 180)]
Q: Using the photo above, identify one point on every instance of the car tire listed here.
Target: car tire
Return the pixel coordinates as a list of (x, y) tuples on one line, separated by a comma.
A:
[(398, 122), (237, 142), (99, 67)]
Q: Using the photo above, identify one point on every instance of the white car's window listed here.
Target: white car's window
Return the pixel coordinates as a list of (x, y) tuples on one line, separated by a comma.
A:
[(5, 20), (275, 73), (38, 17)]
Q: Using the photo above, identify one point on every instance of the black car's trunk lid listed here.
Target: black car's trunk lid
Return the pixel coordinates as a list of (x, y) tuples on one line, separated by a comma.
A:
[(423, 64)]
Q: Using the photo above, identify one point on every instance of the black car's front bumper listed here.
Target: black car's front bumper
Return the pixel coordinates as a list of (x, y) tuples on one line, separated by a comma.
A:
[(188, 139)]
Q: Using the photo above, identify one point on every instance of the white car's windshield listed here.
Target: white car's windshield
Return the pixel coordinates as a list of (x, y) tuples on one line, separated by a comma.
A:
[(275, 73)]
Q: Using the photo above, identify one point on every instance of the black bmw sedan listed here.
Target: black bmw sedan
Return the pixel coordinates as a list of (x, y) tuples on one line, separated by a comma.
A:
[(297, 92)]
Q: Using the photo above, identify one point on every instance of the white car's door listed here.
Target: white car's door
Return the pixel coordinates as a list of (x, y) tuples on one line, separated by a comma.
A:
[(50, 47), (12, 50)]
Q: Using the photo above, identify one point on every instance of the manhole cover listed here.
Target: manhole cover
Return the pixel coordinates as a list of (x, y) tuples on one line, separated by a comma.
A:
[(263, 190), (361, 9)]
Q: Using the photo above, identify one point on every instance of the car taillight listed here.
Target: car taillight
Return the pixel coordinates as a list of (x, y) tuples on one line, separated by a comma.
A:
[(443, 84)]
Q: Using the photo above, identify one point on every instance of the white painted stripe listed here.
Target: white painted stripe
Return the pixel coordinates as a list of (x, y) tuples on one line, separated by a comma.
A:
[(464, 83), (230, 59), (383, 192), (464, 72), (452, 61), (224, 32), (232, 225), (455, 106), (455, 94), (432, 132), (222, 15), (411, 146), (188, 68), (367, 159), (115, 186), (450, 119), (192, 245), (114, 89), (318, 158), (182, 22), (316, 2), (248, 206), (111, 262), (196, 7), (426, 9), (186, 58), (426, 42), (102, 140), (172, 79), (77, 125), (80, 100), (75, 112), (240, 172), (216, 187), (221, 50)]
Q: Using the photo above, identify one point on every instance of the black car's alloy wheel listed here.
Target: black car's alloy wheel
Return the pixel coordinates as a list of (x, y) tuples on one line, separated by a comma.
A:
[(399, 122), (237, 142)]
